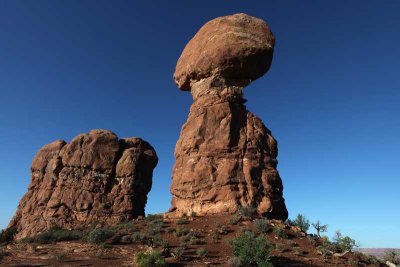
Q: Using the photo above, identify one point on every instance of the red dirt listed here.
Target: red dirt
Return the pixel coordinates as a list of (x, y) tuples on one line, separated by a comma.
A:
[(80, 253)]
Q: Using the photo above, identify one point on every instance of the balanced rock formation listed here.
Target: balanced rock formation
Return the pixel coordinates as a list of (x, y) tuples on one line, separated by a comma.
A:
[(225, 157), (95, 179)]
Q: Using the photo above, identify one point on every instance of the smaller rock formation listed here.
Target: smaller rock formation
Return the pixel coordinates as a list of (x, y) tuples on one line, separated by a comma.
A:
[(95, 179), (225, 156)]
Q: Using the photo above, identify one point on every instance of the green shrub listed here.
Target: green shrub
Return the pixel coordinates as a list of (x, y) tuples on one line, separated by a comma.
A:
[(312, 240), (374, 260), (344, 243), (327, 244), (152, 259), (177, 253), (7, 235), (153, 217), (136, 238), (297, 251), (215, 237), (222, 228), (279, 232), (195, 233), (181, 231), (262, 225), (100, 253), (320, 228), (55, 235), (234, 220), (186, 238), (101, 235), (279, 247), (193, 238), (354, 261), (325, 257), (125, 224), (247, 212), (392, 256), (193, 214), (325, 253), (67, 235), (125, 228), (158, 241), (164, 244), (301, 221), (154, 227), (347, 243), (325, 239), (235, 262), (251, 250), (196, 241), (182, 220), (201, 252)]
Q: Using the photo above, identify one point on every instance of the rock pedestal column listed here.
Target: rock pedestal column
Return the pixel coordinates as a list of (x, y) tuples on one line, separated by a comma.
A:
[(225, 157)]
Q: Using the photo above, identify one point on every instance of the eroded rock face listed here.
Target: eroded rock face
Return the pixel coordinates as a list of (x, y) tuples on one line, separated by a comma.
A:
[(225, 157), (95, 179)]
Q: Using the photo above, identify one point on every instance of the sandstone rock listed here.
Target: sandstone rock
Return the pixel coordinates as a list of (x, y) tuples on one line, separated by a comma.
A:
[(233, 47), (95, 179), (343, 254), (295, 229), (225, 157)]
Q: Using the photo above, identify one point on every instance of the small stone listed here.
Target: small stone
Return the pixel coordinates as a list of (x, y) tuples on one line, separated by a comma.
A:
[(343, 254), (390, 264), (295, 229)]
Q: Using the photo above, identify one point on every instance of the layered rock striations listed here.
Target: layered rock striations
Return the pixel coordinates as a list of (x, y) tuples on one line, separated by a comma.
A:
[(95, 179), (225, 157)]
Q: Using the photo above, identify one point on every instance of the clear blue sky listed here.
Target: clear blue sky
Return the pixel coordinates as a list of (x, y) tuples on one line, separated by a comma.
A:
[(331, 98)]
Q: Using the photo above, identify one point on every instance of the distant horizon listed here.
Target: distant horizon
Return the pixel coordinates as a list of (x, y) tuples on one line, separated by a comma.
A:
[(330, 98)]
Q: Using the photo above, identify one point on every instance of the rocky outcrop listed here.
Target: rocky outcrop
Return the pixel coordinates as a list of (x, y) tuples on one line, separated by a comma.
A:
[(225, 157), (95, 179)]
